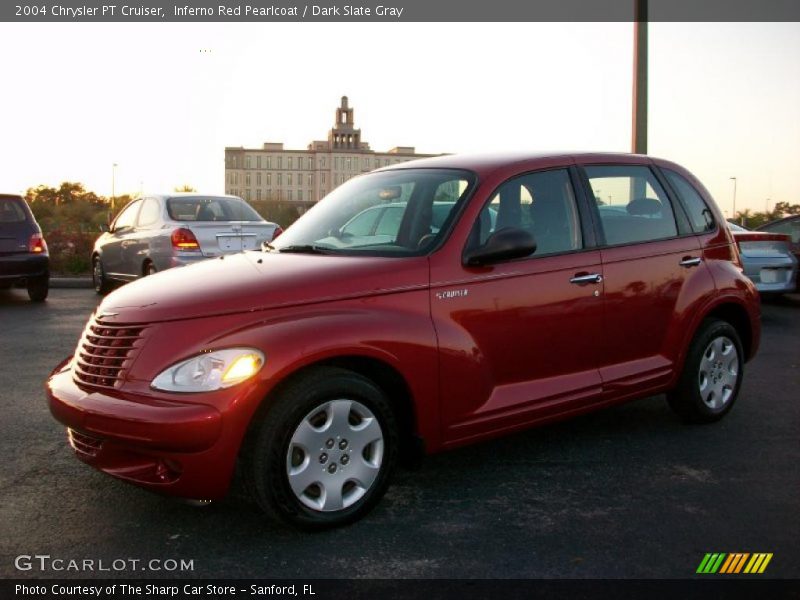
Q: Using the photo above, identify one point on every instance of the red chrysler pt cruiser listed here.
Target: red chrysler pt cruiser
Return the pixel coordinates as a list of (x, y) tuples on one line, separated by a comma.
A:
[(416, 308)]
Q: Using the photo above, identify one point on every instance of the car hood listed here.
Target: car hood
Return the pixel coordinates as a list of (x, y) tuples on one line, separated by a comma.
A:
[(253, 281)]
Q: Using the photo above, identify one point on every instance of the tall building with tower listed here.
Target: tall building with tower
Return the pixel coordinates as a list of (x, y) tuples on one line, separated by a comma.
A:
[(305, 176)]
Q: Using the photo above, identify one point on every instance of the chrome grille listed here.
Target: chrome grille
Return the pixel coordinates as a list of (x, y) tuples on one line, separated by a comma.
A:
[(84, 444), (105, 351)]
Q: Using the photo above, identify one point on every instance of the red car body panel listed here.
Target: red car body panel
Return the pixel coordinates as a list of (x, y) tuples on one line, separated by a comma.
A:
[(522, 346)]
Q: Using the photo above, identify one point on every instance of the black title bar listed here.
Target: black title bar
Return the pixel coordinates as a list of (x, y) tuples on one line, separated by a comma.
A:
[(143, 11)]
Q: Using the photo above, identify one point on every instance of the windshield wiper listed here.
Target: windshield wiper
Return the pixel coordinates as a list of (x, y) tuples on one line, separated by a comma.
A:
[(305, 249)]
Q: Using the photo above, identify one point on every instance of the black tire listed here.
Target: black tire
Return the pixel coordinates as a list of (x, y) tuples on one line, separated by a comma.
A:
[(265, 454), (697, 397), (38, 288), (101, 284)]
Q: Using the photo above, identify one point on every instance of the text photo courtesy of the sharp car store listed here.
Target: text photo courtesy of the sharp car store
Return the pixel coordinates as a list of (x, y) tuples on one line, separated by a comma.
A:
[(323, 58)]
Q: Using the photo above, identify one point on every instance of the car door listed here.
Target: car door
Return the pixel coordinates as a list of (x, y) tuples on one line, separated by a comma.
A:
[(652, 269), (519, 339), (120, 236), (136, 247)]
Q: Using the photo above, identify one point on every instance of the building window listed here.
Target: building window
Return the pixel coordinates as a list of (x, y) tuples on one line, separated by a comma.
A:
[(236, 179), (288, 175), (258, 161), (247, 179), (269, 178), (289, 163), (280, 162), (280, 179), (258, 178), (321, 162), (322, 175), (300, 195), (289, 195), (246, 162), (258, 195), (269, 162), (310, 180)]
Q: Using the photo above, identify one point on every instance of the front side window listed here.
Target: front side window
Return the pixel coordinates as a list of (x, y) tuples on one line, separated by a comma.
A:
[(699, 214), (542, 203), (127, 217), (632, 204), (199, 208), (381, 214)]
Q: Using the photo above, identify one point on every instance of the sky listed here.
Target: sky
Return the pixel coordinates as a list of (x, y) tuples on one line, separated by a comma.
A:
[(163, 100)]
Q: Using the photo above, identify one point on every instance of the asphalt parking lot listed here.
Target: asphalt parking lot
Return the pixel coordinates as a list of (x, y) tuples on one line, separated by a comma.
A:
[(626, 492)]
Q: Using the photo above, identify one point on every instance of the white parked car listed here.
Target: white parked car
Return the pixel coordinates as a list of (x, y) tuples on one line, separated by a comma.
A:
[(767, 259), (157, 232)]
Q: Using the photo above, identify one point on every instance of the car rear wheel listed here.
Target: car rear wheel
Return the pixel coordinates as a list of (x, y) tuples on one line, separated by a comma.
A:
[(101, 284), (712, 374), (323, 454), (38, 288)]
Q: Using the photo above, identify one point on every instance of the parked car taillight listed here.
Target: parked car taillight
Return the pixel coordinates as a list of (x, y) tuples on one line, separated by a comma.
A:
[(183, 239), (276, 233), (36, 244)]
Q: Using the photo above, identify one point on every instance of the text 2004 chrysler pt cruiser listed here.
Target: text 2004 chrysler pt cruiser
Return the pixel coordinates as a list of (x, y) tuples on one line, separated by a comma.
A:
[(465, 298)]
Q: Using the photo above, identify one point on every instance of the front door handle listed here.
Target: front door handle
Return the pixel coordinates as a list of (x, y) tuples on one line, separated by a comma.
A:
[(690, 261), (582, 279)]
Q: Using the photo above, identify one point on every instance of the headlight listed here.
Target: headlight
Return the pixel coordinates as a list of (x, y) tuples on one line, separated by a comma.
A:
[(210, 371)]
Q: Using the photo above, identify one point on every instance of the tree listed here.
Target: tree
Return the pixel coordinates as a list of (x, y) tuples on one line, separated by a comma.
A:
[(185, 188)]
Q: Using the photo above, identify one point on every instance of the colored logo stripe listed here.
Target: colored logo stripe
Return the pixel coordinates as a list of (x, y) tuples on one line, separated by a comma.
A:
[(720, 562), (711, 563)]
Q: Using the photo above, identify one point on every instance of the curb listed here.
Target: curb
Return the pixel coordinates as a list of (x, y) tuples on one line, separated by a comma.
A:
[(71, 282)]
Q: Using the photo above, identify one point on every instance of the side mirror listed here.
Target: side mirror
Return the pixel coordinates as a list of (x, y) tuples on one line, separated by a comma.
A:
[(507, 244), (104, 228)]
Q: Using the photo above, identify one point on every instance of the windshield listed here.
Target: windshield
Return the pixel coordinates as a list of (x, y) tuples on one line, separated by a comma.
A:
[(386, 213), (198, 208)]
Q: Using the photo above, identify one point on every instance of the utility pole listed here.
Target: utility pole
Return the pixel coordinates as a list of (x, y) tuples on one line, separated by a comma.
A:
[(639, 125), (733, 215)]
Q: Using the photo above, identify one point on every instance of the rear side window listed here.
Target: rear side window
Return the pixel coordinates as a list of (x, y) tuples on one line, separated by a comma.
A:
[(197, 208), (12, 211), (632, 204), (699, 214), (149, 213)]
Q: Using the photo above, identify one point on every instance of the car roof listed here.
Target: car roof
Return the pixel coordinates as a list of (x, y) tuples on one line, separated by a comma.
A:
[(487, 162), (190, 195), (781, 220)]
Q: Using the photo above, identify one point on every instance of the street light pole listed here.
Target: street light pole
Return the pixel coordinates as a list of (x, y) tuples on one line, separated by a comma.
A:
[(733, 215), (639, 128)]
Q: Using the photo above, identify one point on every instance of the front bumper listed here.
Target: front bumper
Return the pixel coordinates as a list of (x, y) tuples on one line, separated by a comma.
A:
[(175, 448)]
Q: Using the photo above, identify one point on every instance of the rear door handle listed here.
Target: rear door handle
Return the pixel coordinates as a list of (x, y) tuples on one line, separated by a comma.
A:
[(690, 261), (587, 278)]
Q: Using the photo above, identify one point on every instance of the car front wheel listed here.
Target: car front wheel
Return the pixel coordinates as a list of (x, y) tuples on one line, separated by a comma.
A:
[(712, 374), (323, 454)]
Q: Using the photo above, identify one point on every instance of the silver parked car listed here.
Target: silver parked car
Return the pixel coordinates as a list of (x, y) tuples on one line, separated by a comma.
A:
[(767, 259), (157, 232)]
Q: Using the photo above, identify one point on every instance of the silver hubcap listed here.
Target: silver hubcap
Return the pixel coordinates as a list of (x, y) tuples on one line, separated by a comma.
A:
[(719, 371), (334, 455)]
